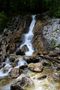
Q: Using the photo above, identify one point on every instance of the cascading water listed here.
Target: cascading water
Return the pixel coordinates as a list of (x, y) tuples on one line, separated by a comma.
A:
[(47, 83), (21, 62), (7, 68), (28, 38)]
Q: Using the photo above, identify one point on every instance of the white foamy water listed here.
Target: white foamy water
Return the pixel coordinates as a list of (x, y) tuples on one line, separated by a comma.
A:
[(21, 62), (44, 85), (2, 74), (4, 71), (28, 38), (7, 61)]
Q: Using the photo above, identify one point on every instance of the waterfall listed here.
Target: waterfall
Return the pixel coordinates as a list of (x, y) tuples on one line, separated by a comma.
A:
[(28, 38)]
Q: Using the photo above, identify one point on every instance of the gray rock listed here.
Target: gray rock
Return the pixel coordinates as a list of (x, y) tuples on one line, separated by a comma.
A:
[(51, 33)]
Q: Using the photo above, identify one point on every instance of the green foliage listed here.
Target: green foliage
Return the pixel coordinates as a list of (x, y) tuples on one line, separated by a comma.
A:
[(54, 7), (11, 7), (3, 20)]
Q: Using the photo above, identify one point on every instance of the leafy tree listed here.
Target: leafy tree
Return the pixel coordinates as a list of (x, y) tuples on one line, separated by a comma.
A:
[(11, 7)]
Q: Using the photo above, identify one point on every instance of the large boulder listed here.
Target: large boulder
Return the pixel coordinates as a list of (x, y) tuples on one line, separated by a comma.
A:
[(36, 67)]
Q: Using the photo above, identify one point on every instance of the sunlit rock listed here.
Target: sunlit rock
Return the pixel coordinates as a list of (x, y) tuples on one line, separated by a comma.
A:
[(36, 67)]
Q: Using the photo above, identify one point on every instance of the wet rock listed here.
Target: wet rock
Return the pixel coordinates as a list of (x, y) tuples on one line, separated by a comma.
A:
[(24, 48), (25, 81), (19, 52), (37, 67), (22, 64), (32, 59)]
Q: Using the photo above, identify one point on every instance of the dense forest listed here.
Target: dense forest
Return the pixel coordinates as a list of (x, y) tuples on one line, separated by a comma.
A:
[(10, 8)]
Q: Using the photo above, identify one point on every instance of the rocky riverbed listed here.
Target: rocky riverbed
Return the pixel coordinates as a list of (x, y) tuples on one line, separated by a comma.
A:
[(37, 70)]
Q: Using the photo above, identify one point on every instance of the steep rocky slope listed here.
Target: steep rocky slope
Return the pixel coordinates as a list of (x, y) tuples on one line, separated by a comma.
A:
[(42, 67)]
